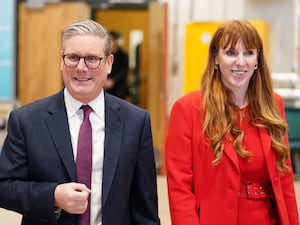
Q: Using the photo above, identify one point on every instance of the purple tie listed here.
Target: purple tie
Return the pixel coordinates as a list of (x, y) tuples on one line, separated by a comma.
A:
[(84, 158)]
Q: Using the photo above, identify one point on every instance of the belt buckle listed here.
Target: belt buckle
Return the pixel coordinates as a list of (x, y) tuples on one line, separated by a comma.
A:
[(254, 191)]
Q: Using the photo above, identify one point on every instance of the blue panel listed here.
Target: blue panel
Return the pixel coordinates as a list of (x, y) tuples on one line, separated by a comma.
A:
[(7, 12)]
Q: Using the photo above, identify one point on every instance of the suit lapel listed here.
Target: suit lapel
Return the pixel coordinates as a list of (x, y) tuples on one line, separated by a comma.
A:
[(112, 143), (57, 123)]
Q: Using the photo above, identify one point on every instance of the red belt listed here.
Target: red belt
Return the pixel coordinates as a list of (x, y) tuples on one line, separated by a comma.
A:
[(255, 191)]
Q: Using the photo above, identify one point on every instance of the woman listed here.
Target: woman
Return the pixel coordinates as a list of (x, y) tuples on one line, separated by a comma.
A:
[(227, 155)]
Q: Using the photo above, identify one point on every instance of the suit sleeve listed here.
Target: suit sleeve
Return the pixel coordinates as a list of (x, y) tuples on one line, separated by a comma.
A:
[(144, 202), (18, 192), (179, 165)]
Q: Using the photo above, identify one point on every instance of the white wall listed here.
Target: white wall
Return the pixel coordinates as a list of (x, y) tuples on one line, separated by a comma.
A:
[(279, 14)]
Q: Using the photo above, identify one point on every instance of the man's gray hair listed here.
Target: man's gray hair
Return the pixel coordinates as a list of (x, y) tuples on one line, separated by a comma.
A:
[(88, 27)]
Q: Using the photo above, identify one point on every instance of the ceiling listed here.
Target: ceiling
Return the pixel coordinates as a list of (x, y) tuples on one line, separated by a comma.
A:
[(92, 3)]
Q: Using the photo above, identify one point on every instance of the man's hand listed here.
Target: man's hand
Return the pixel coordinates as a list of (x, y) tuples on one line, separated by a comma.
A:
[(71, 197)]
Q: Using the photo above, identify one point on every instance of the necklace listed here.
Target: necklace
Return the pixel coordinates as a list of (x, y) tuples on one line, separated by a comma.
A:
[(243, 112)]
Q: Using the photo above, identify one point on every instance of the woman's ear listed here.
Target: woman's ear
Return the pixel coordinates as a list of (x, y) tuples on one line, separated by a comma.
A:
[(216, 60)]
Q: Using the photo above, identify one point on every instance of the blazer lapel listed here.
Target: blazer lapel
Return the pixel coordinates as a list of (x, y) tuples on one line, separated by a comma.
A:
[(265, 141), (232, 155), (112, 143), (57, 123), (270, 157)]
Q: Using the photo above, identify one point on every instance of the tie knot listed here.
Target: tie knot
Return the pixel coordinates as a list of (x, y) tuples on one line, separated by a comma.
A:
[(86, 111)]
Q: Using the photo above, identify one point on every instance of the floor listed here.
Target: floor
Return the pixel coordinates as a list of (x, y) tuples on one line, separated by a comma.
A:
[(11, 218)]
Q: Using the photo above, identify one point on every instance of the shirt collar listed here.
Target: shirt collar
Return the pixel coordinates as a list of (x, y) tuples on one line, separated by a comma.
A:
[(73, 105)]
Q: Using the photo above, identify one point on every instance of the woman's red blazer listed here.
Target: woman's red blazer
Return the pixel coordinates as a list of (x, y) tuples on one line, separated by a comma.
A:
[(203, 194)]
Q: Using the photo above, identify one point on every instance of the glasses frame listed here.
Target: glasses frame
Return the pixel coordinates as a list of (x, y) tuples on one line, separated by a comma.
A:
[(84, 59)]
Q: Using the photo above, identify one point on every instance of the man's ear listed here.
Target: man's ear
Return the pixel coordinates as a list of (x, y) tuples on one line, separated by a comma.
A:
[(109, 61)]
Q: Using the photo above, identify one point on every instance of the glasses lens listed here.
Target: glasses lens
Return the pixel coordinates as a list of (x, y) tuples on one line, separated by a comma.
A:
[(71, 60), (92, 62)]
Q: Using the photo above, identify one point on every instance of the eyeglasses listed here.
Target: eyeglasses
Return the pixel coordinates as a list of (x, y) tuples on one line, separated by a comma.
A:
[(91, 62)]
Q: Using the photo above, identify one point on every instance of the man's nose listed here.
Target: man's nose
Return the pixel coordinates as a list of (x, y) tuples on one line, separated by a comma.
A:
[(81, 64)]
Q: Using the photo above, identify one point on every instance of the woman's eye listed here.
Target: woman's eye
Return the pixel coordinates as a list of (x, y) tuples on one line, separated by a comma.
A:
[(230, 53), (250, 52)]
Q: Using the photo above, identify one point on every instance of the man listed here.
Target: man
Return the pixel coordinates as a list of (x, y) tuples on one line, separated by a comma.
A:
[(116, 83), (41, 157)]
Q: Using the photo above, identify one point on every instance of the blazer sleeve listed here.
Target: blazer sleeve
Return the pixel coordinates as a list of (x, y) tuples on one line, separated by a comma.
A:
[(287, 180), (18, 192), (179, 166)]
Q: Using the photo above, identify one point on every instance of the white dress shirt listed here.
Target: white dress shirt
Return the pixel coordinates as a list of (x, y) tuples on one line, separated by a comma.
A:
[(97, 118)]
